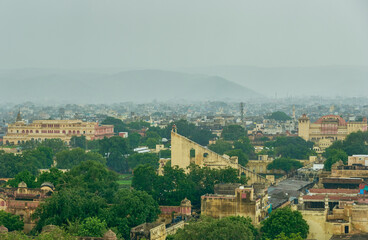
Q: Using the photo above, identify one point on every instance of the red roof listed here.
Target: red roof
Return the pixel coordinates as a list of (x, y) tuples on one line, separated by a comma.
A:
[(347, 191), (342, 122)]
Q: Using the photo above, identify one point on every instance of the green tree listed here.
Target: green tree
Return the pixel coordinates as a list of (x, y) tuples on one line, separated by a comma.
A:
[(293, 236), (26, 177), (68, 205), (93, 177), (334, 155), (70, 158), (119, 126), (215, 229), (55, 233), (242, 157), (143, 158), (279, 116), (78, 142), (220, 147), (129, 209), (144, 178), (134, 139), (291, 147), (56, 144), (92, 227), (233, 132), (284, 220), (286, 164), (115, 149), (189, 130), (166, 153), (10, 221), (54, 176), (245, 145)]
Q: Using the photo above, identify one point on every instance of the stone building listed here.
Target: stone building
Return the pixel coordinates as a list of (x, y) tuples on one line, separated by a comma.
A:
[(246, 202), (327, 129), (335, 212), (23, 201), (169, 213), (20, 132), (185, 152)]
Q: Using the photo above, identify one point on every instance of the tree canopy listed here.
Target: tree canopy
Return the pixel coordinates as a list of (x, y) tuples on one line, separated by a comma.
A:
[(217, 229), (279, 116), (175, 185), (291, 147), (233, 132), (286, 164), (10, 221), (284, 220)]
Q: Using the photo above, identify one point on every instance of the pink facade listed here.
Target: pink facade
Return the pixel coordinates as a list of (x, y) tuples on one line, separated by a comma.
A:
[(177, 209), (104, 131)]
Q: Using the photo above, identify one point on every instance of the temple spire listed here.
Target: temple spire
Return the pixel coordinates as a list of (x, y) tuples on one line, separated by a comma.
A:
[(19, 117)]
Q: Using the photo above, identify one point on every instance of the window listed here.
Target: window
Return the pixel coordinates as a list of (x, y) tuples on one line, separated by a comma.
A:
[(205, 154), (192, 153)]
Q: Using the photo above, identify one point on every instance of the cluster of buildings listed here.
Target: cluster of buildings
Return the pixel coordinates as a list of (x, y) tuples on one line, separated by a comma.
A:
[(23, 201)]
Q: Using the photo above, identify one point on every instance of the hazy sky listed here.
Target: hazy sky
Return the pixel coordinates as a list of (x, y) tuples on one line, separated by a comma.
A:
[(187, 33)]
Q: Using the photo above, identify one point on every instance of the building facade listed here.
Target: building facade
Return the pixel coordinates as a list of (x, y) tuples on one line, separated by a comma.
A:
[(20, 132), (328, 129), (246, 202)]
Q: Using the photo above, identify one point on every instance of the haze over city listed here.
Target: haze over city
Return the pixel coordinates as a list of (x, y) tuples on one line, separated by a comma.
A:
[(271, 48)]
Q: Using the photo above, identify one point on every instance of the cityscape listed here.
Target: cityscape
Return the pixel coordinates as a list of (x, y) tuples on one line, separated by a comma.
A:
[(209, 120)]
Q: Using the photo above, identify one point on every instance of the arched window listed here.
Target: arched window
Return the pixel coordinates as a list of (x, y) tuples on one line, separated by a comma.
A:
[(22, 131), (63, 131), (78, 132), (36, 131), (31, 131)]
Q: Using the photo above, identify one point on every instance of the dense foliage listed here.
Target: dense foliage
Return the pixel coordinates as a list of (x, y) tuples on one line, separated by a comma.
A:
[(233, 132), (286, 164), (291, 147), (279, 116), (30, 160), (89, 201), (334, 155), (284, 220), (171, 188), (355, 143), (69, 158), (242, 148), (10, 221), (217, 229)]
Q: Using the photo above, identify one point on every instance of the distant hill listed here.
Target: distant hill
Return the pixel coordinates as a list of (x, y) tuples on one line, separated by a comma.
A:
[(40, 85), (326, 81)]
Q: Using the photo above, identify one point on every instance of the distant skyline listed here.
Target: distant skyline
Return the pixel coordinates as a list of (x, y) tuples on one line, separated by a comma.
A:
[(166, 34)]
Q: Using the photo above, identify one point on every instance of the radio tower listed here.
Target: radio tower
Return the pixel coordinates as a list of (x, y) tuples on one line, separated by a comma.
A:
[(242, 112)]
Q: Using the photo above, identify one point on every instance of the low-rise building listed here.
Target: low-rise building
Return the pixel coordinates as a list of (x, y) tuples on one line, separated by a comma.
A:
[(246, 202)]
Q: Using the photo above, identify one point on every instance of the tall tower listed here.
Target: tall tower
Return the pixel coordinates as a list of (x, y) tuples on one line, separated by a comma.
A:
[(242, 112), (19, 117), (303, 127), (293, 111)]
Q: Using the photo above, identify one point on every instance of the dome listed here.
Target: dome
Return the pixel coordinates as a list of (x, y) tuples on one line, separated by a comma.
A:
[(331, 118), (186, 203), (109, 235), (48, 184), (3, 229), (22, 185)]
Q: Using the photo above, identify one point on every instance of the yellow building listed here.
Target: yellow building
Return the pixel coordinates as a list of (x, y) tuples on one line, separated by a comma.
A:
[(39, 130), (246, 202), (328, 129)]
